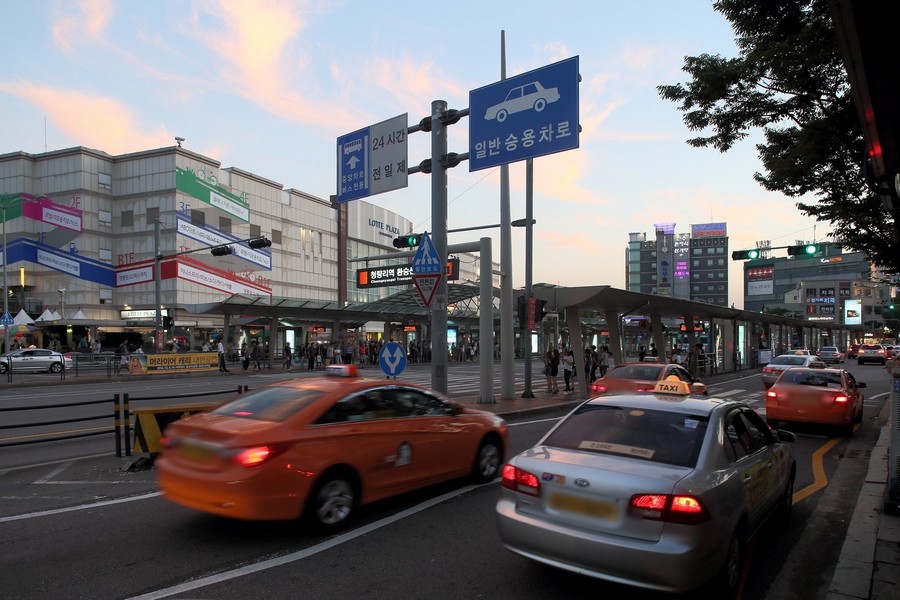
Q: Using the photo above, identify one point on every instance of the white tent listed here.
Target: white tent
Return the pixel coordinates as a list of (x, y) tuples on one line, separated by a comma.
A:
[(78, 316), (56, 316), (46, 316), (23, 319)]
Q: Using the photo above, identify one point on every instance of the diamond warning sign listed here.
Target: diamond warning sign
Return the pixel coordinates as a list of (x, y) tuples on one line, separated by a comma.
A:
[(427, 284)]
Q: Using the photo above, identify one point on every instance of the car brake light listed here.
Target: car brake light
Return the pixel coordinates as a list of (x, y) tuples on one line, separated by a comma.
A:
[(767, 370), (669, 508), (841, 399), (600, 389), (257, 455), (771, 394), (518, 480), (644, 388)]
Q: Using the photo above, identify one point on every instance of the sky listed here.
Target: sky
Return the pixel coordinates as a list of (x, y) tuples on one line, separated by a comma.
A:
[(268, 86)]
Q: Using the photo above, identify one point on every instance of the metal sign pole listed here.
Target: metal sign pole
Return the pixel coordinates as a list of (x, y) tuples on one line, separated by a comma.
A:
[(439, 238)]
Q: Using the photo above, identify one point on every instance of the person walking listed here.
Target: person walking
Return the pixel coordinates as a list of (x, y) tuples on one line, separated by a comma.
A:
[(245, 356), (552, 361), (642, 353), (568, 364), (603, 360), (653, 350), (311, 352), (254, 355), (287, 357), (220, 348)]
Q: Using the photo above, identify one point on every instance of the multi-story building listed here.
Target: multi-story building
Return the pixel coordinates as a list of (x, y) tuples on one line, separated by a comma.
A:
[(681, 265), (829, 286), (83, 230)]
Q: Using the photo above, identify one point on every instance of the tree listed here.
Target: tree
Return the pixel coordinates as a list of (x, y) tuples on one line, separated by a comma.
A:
[(791, 82)]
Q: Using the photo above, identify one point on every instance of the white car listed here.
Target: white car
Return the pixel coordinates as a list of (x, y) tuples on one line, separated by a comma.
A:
[(531, 95), (35, 359)]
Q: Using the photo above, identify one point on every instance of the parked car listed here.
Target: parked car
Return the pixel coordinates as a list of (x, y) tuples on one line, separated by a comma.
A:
[(648, 490), (642, 377), (779, 364), (822, 396), (316, 448), (830, 354), (871, 353), (35, 360)]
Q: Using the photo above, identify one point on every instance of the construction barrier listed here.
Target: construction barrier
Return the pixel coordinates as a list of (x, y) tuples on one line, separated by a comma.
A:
[(149, 423)]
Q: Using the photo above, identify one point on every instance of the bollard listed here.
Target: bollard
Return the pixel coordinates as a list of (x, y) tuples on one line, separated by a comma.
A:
[(118, 421), (126, 410)]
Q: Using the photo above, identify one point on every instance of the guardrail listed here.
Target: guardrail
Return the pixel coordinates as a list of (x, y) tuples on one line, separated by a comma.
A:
[(121, 419)]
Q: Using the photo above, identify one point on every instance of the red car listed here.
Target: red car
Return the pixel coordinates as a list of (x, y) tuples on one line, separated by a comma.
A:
[(822, 396), (642, 377)]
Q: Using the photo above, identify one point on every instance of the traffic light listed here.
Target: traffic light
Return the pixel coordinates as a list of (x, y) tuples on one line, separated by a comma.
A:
[(411, 240), (803, 250), (260, 242), (522, 310), (745, 254), (221, 250), (167, 322)]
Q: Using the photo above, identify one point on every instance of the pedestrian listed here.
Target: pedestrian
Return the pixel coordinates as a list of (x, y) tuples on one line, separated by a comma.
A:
[(642, 353), (254, 355), (594, 362), (568, 364), (245, 356), (96, 351), (551, 360), (653, 351), (603, 360), (205, 347), (175, 345), (220, 348), (311, 353), (287, 356), (676, 356)]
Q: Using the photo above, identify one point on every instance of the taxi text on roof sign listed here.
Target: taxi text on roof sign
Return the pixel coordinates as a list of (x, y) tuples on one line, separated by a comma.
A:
[(672, 385)]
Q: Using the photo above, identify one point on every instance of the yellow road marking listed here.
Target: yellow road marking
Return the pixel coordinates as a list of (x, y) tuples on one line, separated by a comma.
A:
[(819, 478)]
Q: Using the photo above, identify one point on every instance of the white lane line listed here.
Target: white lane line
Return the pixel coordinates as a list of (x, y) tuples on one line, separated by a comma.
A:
[(728, 393), (300, 555), (57, 511), (54, 472)]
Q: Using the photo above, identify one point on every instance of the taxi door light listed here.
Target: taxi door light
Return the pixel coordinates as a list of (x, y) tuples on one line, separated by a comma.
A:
[(518, 480)]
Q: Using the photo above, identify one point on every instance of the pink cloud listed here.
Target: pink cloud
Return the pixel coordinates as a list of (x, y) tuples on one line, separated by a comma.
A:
[(90, 21)]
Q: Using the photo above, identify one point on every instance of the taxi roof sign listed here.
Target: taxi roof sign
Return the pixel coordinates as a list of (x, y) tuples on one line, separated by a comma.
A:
[(341, 371), (673, 386)]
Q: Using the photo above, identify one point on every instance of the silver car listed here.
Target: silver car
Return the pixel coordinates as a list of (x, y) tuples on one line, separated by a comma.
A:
[(35, 359), (657, 490), (830, 354), (779, 364)]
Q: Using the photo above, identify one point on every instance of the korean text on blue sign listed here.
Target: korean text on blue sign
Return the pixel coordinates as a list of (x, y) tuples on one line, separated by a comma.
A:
[(532, 114)]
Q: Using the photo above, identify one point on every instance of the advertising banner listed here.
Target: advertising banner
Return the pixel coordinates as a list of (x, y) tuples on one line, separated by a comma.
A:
[(204, 187), (154, 364)]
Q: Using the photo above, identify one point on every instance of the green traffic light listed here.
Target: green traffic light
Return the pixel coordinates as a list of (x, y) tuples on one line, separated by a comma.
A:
[(812, 249), (753, 254)]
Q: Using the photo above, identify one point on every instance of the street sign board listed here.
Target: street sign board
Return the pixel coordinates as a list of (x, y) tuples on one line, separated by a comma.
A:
[(392, 358), (427, 284), (6, 319), (531, 114), (372, 160), (390, 275), (426, 260)]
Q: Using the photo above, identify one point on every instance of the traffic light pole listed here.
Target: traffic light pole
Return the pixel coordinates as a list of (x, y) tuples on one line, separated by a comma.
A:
[(439, 239)]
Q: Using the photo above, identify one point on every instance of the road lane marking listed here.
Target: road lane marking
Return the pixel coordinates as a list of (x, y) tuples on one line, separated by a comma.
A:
[(57, 511), (820, 481)]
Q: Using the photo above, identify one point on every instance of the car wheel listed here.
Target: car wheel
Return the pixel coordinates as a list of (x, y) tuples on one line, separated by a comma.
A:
[(56, 367), (859, 418), (729, 577), (332, 502), (786, 504), (501, 115), (487, 460), (540, 104), (859, 362)]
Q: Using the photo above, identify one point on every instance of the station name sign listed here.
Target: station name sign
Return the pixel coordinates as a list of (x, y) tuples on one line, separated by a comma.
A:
[(397, 275)]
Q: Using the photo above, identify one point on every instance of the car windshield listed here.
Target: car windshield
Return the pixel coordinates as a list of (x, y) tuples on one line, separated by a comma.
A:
[(645, 372), (820, 379), (269, 404), (654, 435), (794, 361)]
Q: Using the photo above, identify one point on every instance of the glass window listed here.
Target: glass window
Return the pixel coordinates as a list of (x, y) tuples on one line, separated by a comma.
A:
[(269, 404)]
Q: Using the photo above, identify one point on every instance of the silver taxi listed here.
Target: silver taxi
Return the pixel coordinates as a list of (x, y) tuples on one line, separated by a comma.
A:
[(656, 490)]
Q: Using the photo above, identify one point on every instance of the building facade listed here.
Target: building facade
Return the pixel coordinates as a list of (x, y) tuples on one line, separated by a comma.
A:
[(83, 230)]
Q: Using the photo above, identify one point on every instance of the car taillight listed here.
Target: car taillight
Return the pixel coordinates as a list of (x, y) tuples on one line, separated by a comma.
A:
[(772, 395), (600, 389), (645, 388), (257, 455), (768, 370), (518, 480), (688, 510), (840, 399)]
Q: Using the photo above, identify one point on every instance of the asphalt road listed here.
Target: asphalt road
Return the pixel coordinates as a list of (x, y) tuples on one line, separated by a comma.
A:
[(92, 529)]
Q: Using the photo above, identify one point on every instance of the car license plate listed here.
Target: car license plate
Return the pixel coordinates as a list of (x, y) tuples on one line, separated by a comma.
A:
[(198, 453), (583, 506)]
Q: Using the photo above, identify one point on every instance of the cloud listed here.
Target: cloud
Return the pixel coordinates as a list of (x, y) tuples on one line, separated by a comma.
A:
[(89, 21), (89, 119)]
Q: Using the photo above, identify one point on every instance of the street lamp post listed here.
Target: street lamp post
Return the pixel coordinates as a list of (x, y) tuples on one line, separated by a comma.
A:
[(5, 284)]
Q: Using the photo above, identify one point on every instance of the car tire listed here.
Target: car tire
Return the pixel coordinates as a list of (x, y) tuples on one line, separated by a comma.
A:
[(727, 581), (332, 502), (56, 367), (860, 362), (540, 104), (786, 504), (487, 460), (859, 418)]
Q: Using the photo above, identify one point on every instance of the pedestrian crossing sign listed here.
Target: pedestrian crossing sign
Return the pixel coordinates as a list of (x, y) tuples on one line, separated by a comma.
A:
[(426, 260)]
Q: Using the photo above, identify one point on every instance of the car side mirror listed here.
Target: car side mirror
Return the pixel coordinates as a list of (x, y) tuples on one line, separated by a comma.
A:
[(785, 436)]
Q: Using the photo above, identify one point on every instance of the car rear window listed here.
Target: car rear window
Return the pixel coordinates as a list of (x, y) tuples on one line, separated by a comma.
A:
[(645, 372), (829, 349), (269, 404), (816, 378), (792, 360), (653, 435)]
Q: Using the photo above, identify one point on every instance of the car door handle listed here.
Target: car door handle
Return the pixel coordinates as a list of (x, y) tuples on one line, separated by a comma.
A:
[(748, 478)]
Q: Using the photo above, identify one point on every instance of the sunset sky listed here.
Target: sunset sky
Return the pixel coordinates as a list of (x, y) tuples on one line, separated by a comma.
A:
[(268, 87)]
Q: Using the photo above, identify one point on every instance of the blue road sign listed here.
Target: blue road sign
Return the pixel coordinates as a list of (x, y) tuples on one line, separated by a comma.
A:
[(6, 319), (531, 114), (392, 358), (426, 260), (372, 160)]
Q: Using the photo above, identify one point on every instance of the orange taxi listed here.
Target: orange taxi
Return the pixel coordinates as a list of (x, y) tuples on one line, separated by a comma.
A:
[(317, 448), (815, 395), (642, 377)]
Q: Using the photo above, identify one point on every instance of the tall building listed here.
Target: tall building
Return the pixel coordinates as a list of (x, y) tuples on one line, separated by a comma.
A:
[(680, 265)]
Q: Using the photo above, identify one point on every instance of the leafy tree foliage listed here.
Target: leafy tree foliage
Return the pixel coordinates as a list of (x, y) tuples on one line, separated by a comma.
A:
[(789, 80)]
